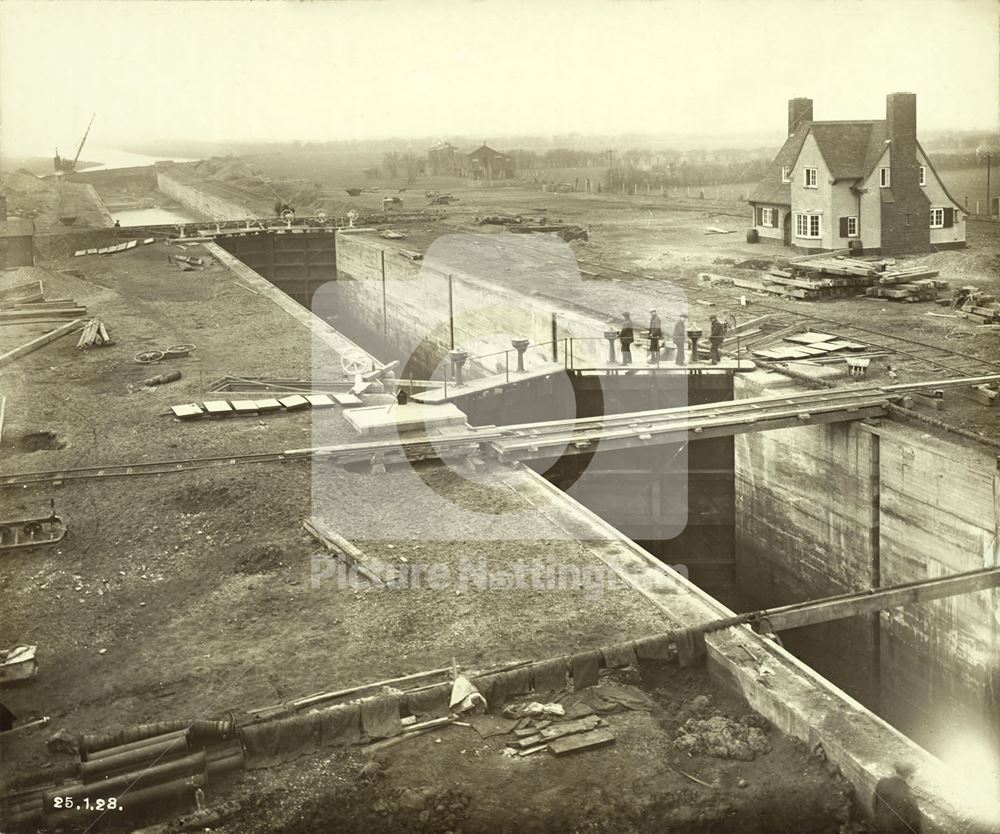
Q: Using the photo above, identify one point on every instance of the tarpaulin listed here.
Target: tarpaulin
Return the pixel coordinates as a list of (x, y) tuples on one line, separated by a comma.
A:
[(690, 645), (658, 647), (605, 699), (340, 725), (494, 689), (620, 654), (380, 716), (549, 675), (431, 702), (275, 742), (586, 666)]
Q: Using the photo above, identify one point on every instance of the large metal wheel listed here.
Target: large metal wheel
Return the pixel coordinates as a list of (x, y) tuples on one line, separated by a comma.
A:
[(149, 356)]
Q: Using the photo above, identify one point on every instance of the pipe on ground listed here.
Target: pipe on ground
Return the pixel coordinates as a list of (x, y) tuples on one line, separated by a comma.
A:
[(92, 742), (101, 768), (126, 783)]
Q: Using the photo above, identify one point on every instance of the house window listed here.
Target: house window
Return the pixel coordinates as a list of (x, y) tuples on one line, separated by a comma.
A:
[(937, 218), (883, 177), (923, 175), (767, 217), (786, 173), (810, 177), (807, 225)]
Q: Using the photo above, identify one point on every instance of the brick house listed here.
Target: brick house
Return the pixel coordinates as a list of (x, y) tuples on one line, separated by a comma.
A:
[(442, 159), (486, 163), (856, 184)]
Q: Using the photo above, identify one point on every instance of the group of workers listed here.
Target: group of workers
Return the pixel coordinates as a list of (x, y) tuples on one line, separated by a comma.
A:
[(627, 337)]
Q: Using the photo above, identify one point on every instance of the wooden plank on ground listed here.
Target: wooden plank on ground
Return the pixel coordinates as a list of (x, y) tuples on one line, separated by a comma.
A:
[(338, 544), (22, 292), (581, 741), (40, 341)]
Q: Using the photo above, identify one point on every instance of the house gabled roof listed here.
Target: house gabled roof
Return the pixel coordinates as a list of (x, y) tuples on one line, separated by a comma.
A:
[(771, 189), (850, 149), (944, 188)]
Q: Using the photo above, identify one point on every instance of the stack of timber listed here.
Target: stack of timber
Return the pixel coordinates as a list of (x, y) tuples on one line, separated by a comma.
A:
[(983, 313), (817, 277), (26, 304), (94, 334)]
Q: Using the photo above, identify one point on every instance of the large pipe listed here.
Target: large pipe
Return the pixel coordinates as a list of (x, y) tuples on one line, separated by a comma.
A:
[(135, 745), (92, 771), (126, 783), (92, 742)]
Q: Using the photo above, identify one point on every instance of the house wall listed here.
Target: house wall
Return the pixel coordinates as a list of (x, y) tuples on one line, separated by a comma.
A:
[(812, 200), (871, 207), (843, 203), (775, 233), (939, 199)]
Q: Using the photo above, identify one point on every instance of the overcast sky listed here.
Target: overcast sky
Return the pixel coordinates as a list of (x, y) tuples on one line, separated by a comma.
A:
[(343, 70)]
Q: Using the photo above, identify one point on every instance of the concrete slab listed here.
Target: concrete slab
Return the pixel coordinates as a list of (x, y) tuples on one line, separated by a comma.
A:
[(218, 407), (187, 411), (294, 402), (319, 401), (268, 405), (245, 406), (393, 419), (347, 399)]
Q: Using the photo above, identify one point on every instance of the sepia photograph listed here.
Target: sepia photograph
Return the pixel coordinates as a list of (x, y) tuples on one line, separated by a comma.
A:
[(500, 417)]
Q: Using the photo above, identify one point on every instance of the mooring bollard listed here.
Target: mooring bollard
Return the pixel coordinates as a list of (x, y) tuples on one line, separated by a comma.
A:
[(611, 335), (693, 337), (520, 345), (458, 357)]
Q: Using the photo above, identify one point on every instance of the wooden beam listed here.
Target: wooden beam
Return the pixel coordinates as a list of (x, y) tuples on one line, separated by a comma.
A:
[(879, 599), (34, 344)]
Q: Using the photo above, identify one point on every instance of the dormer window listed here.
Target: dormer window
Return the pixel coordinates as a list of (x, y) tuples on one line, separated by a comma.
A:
[(883, 177), (786, 173), (809, 177)]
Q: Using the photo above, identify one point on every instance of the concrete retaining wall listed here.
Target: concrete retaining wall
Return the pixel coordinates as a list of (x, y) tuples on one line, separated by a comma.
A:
[(406, 303), (204, 204), (823, 510)]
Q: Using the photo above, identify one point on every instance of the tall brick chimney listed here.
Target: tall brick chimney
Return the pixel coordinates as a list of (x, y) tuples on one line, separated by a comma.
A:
[(799, 110), (905, 221)]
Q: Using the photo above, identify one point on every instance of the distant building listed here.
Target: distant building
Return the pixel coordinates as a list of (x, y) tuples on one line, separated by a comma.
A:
[(17, 239), (834, 185), (442, 160), (486, 163)]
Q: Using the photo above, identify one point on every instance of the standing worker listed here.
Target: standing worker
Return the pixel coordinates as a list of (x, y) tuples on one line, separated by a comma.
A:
[(626, 335), (680, 337), (715, 337), (655, 334)]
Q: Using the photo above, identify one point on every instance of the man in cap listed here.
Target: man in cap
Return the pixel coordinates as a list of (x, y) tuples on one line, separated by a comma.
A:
[(680, 336), (626, 335), (655, 334), (715, 337)]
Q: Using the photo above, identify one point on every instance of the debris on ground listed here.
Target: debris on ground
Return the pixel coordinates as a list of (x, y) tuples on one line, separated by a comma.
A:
[(722, 738), (62, 741)]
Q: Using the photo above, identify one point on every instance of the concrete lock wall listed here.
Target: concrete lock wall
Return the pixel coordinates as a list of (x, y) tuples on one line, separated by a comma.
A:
[(823, 510), (406, 304), (205, 205)]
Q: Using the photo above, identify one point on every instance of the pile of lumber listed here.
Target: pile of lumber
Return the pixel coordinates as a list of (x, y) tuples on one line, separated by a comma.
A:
[(26, 304), (111, 250), (983, 314), (815, 277), (94, 334)]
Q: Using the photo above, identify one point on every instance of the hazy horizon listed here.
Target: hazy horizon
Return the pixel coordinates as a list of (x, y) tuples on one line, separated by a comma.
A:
[(719, 71)]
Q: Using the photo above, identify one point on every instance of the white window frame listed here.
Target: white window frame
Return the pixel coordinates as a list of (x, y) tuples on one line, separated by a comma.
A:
[(810, 178), (852, 226), (786, 173), (923, 175), (884, 178), (766, 217), (808, 226), (937, 212)]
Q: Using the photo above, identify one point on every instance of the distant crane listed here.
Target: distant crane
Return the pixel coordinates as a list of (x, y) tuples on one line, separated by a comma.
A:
[(64, 165)]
